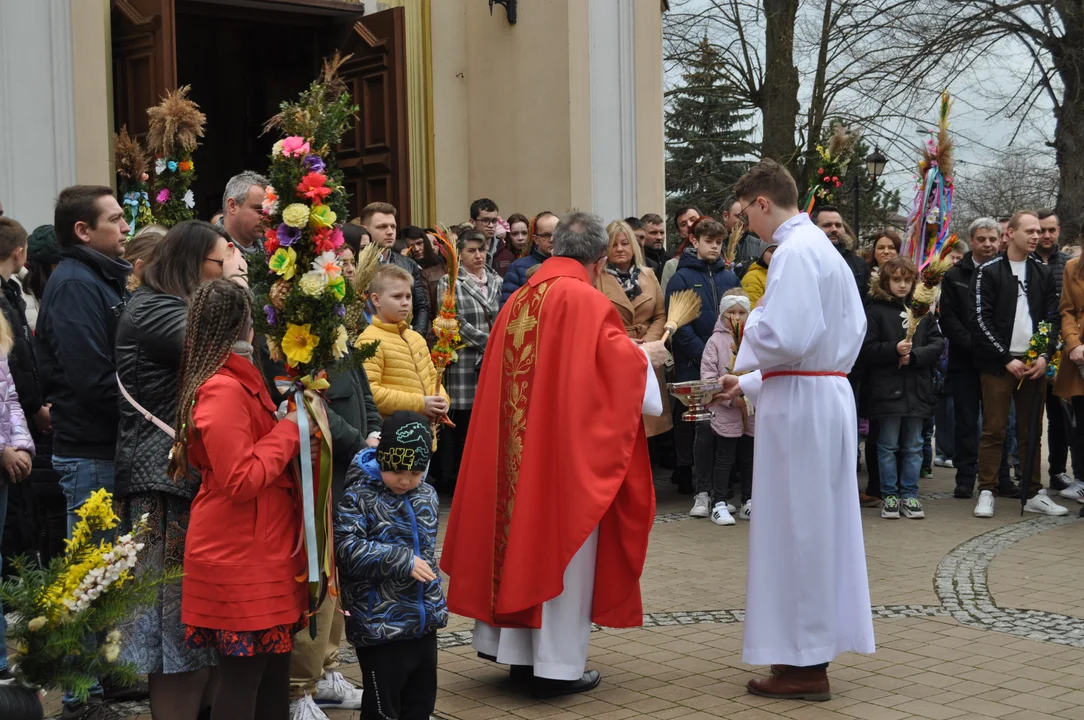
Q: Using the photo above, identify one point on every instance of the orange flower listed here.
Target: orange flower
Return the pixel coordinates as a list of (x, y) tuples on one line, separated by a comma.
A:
[(312, 186), (185, 166)]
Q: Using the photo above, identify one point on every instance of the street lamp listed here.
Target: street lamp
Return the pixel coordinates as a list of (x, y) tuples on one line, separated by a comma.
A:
[(875, 167)]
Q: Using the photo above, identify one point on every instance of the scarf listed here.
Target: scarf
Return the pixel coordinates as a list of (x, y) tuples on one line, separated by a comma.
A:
[(629, 281), (479, 281)]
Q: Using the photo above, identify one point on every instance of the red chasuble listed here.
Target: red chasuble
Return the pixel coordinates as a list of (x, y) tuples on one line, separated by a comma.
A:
[(556, 448)]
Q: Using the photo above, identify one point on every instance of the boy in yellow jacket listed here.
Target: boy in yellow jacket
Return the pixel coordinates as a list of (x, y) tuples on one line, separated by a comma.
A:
[(401, 372)]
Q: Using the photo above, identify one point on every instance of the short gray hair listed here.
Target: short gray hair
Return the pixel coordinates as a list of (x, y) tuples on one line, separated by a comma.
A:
[(580, 236), (983, 223), (238, 186)]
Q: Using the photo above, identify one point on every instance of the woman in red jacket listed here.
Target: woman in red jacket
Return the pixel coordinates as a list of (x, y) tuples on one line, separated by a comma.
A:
[(240, 594)]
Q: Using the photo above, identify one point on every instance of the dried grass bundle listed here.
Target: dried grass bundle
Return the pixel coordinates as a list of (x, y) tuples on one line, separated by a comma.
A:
[(131, 159), (176, 125), (304, 116), (684, 308), (841, 144), (736, 233), (945, 145), (367, 263)]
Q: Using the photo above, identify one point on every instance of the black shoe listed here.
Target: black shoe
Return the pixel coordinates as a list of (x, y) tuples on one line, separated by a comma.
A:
[(962, 492), (95, 709), (1060, 481), (521, 674), (126, 693), (543, 688), (487, 657), (1009, 491), (681, 475)]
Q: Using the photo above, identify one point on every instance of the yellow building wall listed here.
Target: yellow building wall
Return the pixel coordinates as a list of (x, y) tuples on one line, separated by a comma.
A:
[(92, 92)]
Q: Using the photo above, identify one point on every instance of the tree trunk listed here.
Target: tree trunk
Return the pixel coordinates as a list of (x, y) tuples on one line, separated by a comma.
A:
[(1069, 135), (778, 97), (815, 118)]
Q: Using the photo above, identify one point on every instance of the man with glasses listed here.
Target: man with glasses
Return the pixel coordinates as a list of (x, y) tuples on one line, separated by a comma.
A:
[(485, 216), (541, 244)]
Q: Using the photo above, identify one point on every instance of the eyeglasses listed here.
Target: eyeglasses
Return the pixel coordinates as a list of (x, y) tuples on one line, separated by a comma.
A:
[(741, 213), (487, 221), (221, 263), (543, 235)]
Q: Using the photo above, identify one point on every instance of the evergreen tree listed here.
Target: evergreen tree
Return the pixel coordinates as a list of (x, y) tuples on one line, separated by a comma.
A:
[(707, 136)]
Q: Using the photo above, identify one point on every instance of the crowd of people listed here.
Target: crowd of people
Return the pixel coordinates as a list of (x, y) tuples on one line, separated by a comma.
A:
[(128, 362)]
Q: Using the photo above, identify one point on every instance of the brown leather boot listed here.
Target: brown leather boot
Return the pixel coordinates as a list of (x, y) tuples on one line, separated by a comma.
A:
[(795, 684), (779, 669)]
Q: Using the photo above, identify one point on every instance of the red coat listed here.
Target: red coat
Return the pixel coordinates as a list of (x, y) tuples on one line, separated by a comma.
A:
[(556, 448), (241, 557)]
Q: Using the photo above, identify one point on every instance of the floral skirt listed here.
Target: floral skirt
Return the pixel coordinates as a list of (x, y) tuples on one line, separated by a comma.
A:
[(154, 638), (234, 643)]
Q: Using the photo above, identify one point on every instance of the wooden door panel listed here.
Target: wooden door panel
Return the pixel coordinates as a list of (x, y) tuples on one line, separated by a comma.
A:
[(144, 63), (374, 154)]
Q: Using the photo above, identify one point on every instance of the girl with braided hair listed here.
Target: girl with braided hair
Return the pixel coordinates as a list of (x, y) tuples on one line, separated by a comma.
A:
[(240, 594)]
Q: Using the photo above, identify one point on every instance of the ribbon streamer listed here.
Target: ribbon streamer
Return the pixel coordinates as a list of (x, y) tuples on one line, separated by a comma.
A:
[(306, 488)]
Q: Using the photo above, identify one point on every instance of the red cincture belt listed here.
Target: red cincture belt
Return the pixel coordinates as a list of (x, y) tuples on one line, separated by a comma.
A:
[(803, 373)]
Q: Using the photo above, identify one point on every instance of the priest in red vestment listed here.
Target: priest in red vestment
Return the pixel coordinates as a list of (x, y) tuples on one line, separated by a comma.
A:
[(554, 500)]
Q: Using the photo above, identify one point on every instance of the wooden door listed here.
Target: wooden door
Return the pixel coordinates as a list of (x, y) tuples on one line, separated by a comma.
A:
[(144, 63), (374, 153)]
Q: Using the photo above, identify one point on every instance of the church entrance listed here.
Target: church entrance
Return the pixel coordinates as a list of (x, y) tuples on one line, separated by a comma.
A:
[(242, 58)]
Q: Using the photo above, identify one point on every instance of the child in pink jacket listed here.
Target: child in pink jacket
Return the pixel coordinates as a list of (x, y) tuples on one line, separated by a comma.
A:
[(726, 440)]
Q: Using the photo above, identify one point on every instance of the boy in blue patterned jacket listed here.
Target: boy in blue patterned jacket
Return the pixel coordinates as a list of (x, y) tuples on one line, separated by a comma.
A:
[(385, 546)]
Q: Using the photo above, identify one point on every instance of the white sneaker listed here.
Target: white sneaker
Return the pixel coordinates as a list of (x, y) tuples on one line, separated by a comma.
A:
[(701, 506), (1043, 505), (1075, 491), (334, 691), (746, 510), (305, 709), (943, 462), (731, 507), (984, 508), (720, 514)]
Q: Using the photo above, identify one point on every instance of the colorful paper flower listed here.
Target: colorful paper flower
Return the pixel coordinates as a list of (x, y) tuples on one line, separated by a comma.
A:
[(339, 348), (271, 244), (312, 283), (298, 344), (283, 263), (276, 149), (159, 166), (186, 166), (189, 200), (172, 165), (296, 215), (163, 196), (287, 235), (295, 146), (313, 187), (327, 239), (337, 288), (270, 204), (322, 216), (328, 266), (272, 316), (274, 351), (314, 163)]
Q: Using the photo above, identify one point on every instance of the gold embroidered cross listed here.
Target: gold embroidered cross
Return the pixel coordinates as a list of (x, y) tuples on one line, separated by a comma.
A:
[(522, 325)]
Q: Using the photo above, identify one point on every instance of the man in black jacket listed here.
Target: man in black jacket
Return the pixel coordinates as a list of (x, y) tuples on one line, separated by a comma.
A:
[(958, 329), (1058, 413), (379, 219), (828, 219), (77, 324), (1011, 295), (655, 240)]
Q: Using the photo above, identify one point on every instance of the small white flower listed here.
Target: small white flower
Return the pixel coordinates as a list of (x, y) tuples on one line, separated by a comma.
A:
[(159, 166), (111, 652), (189, 200), (144, 518)]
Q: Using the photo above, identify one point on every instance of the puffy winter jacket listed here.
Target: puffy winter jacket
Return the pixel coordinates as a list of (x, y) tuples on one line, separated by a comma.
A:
[(150, 340), (401, 372), (710, 281), (754, 282), (13, 429), (516, 277), (891, 390), (993, 301), (1056, 263), (377, 536), (718, 360), (23, 359)]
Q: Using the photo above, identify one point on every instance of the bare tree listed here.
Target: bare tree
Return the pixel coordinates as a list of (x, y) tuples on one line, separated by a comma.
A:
[(929, 43)]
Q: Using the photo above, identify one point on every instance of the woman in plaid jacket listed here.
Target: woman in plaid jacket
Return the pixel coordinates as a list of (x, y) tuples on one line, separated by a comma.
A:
[(477, 297)]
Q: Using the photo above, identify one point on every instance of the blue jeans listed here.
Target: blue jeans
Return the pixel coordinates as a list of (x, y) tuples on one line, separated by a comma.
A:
[(3, 622), (902, 435), (79, 477)]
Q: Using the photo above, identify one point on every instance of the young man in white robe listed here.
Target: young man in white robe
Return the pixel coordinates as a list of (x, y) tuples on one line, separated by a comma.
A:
[(807, 597)]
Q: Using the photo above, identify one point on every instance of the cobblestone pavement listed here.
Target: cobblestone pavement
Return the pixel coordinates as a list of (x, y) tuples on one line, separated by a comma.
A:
[(974, 619)]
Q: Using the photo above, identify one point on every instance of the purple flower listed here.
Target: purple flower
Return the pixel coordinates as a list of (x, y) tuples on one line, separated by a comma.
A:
[(341, 310), (287, 235), (314, 163), (271, 316)]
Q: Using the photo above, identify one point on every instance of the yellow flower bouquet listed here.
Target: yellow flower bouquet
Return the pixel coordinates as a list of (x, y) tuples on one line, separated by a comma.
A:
[(87, 591)]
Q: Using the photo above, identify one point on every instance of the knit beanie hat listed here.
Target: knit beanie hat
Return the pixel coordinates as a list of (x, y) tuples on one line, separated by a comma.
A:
[(765, 246), (405, 442), (42, 247)]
